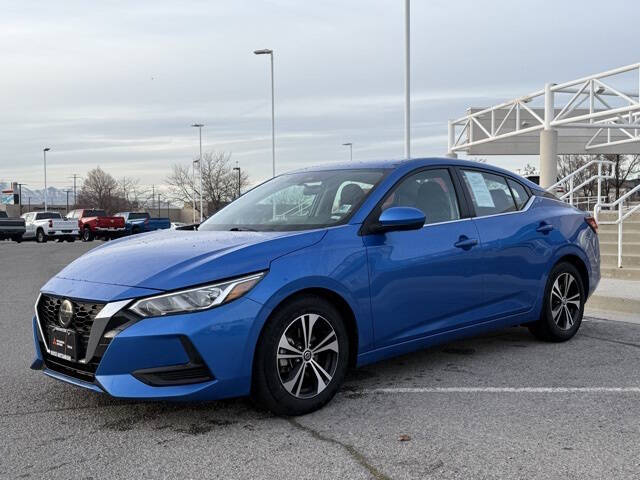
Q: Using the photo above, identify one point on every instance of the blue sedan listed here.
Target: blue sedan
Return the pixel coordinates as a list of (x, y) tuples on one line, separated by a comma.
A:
[(313, 272)]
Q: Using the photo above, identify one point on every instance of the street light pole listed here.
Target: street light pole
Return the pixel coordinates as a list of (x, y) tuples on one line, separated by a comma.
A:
[(193, 196), (238, 169), (44, 152), (199, 126), (350, 145), (407, 81), (267, 51)]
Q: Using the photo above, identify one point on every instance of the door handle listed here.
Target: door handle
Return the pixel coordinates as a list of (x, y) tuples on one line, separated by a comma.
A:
[(544, 227), (465, 242)]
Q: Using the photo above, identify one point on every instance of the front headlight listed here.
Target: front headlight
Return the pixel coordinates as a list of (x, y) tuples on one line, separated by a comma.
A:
[(195, 299)]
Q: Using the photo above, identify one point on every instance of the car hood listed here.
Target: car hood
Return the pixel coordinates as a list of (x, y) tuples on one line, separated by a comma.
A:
[(172, 259)]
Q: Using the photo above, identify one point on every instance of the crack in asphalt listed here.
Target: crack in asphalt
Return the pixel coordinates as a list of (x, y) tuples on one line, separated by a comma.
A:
[(611, 340), (350, 449)]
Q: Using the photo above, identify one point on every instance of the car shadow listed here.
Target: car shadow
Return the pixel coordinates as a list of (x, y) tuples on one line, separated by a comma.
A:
[(429, 366)]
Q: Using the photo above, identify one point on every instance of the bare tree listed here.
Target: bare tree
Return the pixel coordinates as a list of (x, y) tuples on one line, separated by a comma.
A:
[(98, 190), (101, 190), (568, 164), (625, 167), (219, 182)]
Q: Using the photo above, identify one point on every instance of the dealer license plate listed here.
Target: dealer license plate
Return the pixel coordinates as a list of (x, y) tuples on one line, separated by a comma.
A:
[(62, 344)]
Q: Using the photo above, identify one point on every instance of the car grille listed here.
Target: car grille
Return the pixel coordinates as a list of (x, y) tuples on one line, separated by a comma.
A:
[(81, 323), (83, 316)]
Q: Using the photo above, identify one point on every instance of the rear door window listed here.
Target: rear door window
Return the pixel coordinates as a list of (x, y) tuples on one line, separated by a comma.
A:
[(490, 193)]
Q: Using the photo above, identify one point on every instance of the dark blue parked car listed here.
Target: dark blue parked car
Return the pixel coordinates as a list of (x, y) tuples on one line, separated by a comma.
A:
[(314, 271)]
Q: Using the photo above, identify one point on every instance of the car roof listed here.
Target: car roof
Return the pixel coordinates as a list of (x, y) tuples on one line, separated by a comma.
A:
[(414, 163)]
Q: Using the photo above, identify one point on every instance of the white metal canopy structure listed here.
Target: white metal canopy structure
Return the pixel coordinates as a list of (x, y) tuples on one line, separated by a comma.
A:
[(595, 114)]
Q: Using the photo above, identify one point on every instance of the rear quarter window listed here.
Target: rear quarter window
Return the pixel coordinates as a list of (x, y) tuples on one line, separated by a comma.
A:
[(520, 194)]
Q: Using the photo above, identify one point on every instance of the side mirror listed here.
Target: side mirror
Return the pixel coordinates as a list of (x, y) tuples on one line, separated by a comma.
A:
[(399, 218)]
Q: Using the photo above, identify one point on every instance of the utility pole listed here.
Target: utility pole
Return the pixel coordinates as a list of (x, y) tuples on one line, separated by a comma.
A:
[(153, 196), (44, 152), (74, 176), (20, 195), (29, 204), (67, 192), (158, 205)]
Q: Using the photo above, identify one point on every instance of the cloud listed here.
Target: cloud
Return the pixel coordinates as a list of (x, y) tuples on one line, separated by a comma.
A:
[(118, 83)]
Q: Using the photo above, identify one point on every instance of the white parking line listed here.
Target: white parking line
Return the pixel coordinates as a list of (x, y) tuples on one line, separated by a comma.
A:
[(504, 390)]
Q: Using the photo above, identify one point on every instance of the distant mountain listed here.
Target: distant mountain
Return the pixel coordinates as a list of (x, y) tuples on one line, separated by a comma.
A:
[(55, 196)]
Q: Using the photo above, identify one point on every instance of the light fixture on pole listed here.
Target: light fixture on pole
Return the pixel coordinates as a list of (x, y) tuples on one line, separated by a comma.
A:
[(199, 127), (350, 145), (267, 51), (407, 81), (44, 152)]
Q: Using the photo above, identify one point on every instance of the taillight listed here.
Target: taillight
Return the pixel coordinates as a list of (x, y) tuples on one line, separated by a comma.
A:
[(592, 223), (50, 223)]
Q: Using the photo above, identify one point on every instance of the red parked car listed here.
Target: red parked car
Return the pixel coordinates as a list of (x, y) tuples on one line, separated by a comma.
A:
[(96, 224)]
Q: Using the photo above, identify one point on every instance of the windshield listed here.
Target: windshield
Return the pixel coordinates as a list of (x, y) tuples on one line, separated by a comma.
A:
[(298, 201)]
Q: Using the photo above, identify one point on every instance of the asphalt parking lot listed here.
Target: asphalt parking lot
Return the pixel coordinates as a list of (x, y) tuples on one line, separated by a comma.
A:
[(500, 406)]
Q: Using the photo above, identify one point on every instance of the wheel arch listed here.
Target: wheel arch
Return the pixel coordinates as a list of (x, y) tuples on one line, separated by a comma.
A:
[(337, 300), (580, 265)]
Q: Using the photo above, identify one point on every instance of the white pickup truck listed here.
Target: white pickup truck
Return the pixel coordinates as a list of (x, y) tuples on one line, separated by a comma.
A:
[(45, 226)]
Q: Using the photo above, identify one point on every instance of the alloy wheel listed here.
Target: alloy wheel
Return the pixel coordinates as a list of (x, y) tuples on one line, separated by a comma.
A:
[(565, 301), (307, 356)]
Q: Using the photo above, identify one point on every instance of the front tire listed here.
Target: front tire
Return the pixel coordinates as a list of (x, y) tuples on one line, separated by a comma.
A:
[(564, 299), (301, 358), (87, 236)]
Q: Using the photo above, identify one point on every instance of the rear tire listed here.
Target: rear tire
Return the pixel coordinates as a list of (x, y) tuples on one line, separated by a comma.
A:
[(301, 357), (40, 236), (564, 299), (17, 238), (87, 236)]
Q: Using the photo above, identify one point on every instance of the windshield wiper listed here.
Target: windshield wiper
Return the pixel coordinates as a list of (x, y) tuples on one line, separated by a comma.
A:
[(242, 229)]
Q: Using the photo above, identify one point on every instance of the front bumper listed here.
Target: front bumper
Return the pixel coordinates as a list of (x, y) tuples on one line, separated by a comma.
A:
[(221, 338)]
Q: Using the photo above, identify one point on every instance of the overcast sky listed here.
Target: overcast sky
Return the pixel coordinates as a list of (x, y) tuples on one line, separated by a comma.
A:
[(117, 83)]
